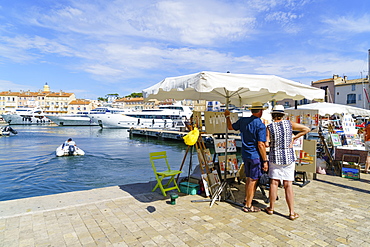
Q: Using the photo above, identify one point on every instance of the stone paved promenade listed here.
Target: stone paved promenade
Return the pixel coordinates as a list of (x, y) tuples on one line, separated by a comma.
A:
[(334, 211)]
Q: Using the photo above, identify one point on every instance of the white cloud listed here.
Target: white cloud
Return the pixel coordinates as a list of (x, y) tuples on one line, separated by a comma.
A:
[(120, 40), (310, 65), (348, 24), (189, 22), (25, 48), (6, 85)]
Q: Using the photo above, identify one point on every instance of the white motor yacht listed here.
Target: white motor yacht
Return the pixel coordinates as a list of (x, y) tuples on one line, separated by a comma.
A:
[(25, 116), (82, 118), (165, 117)]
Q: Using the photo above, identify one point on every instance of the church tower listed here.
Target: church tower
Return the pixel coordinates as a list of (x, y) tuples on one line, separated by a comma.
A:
[(46, 87)]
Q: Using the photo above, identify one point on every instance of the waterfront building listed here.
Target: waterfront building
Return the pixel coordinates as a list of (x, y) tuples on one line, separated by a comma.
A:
[(57, 103), (339, 90), (131, 103), (80, 105), (353, 93), (50, 102)]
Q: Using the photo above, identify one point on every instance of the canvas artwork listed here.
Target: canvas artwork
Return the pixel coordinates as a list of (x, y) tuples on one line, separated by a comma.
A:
[(353, 139), (304, 158), (205, 184), (215, 122), (220, 145), (335, 140), (309, 118), (208, 156), (231, 165), (298, 143), (202, 163), (214, 178), (197, 119)]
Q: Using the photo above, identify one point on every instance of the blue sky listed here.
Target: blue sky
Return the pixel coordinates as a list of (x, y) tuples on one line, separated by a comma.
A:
[(98, 47)]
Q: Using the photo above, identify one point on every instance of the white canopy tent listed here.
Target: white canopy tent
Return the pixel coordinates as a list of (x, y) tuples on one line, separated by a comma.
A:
[(329, 109)]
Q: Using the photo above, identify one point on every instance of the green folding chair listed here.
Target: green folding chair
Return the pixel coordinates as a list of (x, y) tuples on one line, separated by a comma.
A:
[(160, 175)]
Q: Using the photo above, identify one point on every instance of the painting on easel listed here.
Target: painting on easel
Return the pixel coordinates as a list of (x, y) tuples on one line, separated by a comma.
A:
[(220, 145), (231, 165)]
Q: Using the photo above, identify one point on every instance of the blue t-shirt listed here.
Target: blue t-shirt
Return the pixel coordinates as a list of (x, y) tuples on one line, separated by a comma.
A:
[(252, 130)]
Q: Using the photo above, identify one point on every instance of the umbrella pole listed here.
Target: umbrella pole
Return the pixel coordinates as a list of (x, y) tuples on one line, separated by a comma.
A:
[(226, 186)]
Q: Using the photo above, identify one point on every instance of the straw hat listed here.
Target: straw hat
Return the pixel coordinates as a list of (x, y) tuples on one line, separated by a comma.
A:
[(257, 106), (278, 109)]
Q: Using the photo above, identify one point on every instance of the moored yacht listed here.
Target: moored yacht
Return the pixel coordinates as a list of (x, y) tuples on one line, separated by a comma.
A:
[(25, 116), (81, 118), (165, 117)]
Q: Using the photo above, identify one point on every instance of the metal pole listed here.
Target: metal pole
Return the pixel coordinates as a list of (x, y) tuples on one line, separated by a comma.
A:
[(226, 136)]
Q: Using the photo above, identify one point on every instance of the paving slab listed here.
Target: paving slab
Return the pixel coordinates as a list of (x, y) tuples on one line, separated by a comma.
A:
[(334, 211)]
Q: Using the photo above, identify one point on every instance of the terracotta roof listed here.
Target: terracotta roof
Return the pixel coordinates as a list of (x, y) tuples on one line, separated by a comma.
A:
[(79, 102), (33, 94), (58, 94), (323, 80), (130, 99), (354, 81)]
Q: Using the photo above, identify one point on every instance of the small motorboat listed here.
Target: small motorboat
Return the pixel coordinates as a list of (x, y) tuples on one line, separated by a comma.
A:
[(69, 150), (7, 130)]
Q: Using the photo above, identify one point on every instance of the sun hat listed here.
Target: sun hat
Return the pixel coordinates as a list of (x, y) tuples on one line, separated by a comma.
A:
[(257, 106), (278, 109)]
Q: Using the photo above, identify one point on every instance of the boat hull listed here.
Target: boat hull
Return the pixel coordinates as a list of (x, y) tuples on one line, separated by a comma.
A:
[(71, 120), (64, 151), (14, 119), (164, 117), (121, 121)]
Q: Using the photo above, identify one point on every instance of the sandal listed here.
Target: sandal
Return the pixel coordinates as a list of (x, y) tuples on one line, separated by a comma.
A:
[(251, 209), (269, 211), (294, 216)]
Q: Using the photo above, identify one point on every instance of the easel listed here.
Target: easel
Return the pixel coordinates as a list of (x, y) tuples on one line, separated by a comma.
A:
[(225, 190), (204, 159), (332, 165), (215, 188)]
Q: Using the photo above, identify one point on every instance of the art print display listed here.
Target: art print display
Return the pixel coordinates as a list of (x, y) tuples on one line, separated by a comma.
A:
[(298, 143), (208, 157), (205, 184), (215, 122), (353, 140), (335, 140), (220, 145), (309, 118), (349, 125), (231, 165)]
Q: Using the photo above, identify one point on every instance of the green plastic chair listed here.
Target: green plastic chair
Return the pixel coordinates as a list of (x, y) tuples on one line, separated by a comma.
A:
[(160, 175)]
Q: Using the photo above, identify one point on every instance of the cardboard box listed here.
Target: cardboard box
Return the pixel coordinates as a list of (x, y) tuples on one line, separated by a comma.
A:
[(189, 188), (349, 172)]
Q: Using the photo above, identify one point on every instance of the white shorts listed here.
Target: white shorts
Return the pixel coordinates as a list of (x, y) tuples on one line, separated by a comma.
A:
[(282, 172), (367, 147)]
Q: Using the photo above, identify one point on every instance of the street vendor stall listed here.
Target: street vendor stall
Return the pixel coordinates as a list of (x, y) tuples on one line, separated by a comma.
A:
[(229, 88), (342, 146)]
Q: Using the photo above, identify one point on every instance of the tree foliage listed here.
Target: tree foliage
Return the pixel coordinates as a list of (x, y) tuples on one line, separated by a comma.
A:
[(132, 95), (135, 95)]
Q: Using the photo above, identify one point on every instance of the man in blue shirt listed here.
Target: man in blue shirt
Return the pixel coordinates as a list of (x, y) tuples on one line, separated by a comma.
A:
[(253, 134)]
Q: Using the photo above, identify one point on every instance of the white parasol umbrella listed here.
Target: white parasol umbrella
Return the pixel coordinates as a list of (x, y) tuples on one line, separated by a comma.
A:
[(330, 109), (236, 89)]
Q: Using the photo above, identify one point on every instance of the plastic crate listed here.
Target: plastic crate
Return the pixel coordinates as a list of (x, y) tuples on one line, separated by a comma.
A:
[(189, 188), (350, 173)]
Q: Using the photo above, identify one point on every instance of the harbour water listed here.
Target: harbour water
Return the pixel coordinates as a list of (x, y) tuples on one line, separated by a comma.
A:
[(29, 166)]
